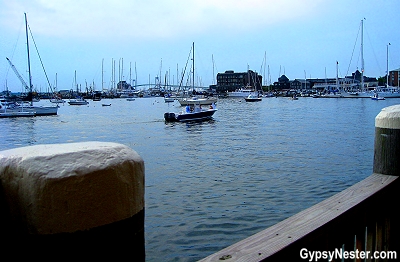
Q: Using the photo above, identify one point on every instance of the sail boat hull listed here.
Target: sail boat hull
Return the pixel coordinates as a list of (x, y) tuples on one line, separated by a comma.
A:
[(32, 110), (197, 101)]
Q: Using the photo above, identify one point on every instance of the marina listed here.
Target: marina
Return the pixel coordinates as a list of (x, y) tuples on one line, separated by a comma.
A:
[(210, 184)]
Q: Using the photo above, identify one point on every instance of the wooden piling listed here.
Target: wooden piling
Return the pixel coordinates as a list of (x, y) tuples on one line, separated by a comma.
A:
[(84, 199), (387, 141)]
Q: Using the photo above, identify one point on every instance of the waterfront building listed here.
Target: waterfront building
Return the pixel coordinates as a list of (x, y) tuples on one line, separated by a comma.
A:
[(329, 84), (394, 77), (231, 81)]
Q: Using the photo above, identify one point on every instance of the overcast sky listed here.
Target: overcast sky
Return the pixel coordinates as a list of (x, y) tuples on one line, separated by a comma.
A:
[(148, 38)]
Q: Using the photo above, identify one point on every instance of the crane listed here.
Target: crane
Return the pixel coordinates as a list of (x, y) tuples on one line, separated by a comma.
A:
[(28, 89)]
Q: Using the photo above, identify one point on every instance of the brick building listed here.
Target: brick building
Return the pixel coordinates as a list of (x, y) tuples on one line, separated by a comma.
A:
[(231, 81)]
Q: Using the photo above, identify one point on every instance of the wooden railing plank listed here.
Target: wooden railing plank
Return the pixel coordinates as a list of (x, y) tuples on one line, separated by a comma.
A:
[(290, 230)]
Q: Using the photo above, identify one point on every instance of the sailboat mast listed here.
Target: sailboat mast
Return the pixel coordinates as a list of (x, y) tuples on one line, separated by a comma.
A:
[(337, 75), (362, 54), (29, 60), (387, 65), (213, 75), (102, 75), (193, 65)]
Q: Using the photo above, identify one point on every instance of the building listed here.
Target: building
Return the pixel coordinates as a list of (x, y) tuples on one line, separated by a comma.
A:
[(231, 81), (282, 84), (348, 82), (394, 77)]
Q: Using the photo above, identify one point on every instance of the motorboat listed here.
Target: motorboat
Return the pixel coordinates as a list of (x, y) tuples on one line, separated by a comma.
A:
[(377, 97), (191, 113), (253, 98)]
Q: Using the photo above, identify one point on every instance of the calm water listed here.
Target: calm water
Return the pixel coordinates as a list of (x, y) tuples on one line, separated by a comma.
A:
[(211, 184)]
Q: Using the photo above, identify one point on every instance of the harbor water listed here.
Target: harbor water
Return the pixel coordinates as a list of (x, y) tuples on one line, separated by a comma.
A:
[(210, 184)]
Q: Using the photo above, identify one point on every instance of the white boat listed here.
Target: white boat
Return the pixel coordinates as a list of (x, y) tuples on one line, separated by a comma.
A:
[(10, 109), (168, 98), (57, 100), (388, 92), (78, 101), (242, 92), (195, 100), (17, 114), (36, 110), (253, 98)]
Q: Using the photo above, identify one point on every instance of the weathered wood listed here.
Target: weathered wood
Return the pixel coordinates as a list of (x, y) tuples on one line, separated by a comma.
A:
[(268, 242), (387, 141)]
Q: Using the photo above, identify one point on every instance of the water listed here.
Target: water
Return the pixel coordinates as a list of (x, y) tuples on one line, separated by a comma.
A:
[(211, 184)]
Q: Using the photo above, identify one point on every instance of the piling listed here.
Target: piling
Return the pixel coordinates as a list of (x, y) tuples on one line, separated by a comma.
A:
[(76, 199), (387, 141)]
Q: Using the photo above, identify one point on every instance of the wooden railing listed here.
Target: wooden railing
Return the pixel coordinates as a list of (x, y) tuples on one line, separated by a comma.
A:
[(360, 223)]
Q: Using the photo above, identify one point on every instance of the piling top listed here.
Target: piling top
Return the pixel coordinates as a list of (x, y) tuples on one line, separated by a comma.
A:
[(389, 117), (57, 188)]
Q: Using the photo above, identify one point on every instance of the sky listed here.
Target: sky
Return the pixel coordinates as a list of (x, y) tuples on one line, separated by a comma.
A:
[(145, 39)]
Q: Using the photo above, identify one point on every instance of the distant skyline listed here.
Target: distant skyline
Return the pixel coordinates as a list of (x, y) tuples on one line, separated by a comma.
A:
[(298, 38)]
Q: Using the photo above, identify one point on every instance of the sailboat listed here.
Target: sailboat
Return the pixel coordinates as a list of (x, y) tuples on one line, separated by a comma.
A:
[(37, 110), (6, 110), (378, 92), (196, 99), (387, 91), (193, 111)]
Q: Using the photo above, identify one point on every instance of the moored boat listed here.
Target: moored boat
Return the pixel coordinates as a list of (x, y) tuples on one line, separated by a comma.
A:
[(78, 101), (197, 101), (242, 92), (57, 100), (36, 110), (17, 114)]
